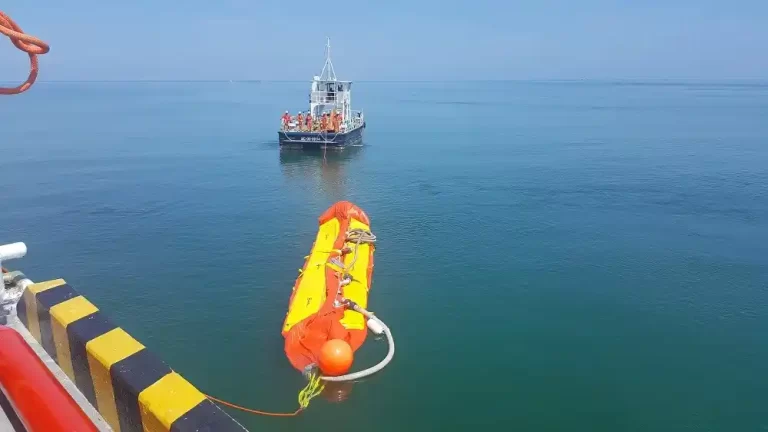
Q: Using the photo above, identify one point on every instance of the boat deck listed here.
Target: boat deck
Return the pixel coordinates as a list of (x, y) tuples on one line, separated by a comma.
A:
[(315, 139)]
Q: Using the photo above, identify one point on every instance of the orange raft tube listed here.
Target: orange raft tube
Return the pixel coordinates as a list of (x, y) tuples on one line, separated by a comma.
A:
[(338, 268)]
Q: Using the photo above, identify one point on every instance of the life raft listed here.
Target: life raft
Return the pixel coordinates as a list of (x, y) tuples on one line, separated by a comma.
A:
[(336, 273)]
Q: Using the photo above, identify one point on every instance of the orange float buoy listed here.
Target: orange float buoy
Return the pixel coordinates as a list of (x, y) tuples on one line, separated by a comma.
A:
[(335, 357)]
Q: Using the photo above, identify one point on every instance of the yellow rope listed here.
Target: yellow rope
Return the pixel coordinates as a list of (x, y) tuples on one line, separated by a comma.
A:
[(314, 387)]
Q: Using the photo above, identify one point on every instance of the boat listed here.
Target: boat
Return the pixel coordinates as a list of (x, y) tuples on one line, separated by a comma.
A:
[(328, 95)]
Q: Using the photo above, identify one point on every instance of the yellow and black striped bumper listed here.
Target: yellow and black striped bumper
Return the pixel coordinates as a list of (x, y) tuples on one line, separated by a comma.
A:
[(131, 387)]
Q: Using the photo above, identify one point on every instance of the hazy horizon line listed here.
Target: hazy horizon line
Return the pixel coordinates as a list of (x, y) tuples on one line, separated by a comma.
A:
[(541, 80)]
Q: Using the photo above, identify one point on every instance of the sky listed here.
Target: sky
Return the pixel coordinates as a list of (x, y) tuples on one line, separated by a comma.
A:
[(392, 39)]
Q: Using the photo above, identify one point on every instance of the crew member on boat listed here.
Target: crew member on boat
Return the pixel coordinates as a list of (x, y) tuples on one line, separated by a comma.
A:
[(324, 122), (339, 121), (300, 120), (308, 120), (285, 120)]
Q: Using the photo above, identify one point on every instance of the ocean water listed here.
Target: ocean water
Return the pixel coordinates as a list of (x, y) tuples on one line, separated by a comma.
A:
[(553, 256)]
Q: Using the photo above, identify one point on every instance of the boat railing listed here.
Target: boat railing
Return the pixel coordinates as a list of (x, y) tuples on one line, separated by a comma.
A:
[(356, 118), (354, 121), (325, 97)]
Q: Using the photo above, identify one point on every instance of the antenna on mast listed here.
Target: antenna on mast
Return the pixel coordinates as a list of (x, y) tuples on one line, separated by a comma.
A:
[(328, 74)]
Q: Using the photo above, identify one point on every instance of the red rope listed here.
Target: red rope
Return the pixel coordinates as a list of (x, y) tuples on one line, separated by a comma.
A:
[(29, 44)]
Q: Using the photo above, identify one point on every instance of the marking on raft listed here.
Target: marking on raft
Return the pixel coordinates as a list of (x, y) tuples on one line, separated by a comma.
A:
[(131, 387)]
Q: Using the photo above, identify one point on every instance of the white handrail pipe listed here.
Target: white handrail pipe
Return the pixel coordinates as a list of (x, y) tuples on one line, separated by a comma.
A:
[(12, 251)]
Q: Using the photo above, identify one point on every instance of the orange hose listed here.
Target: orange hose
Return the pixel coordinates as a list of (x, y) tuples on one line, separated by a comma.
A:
[(253, 411), (29, 44)]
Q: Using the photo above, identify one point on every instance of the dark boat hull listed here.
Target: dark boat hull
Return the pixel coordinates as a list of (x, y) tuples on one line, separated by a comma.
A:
[(315, 140)]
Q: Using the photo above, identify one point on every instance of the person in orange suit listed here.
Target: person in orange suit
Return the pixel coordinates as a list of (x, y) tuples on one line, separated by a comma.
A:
[(323, 122), (300, 120), (308, 120), (286, 119)]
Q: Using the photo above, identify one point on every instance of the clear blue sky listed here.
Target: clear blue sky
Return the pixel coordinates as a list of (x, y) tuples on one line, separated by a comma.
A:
[(394, 39)]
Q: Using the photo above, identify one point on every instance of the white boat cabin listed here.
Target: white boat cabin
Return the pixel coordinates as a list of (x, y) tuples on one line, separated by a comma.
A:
[(329, 94)]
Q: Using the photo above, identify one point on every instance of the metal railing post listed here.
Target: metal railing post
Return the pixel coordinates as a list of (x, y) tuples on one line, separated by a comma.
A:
[(12, 251)]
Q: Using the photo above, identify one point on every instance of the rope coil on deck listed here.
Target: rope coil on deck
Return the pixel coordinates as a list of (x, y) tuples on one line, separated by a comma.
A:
[(29, 44)]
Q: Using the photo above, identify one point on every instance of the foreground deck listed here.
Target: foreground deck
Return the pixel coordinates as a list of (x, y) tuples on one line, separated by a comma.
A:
[(117, 382)]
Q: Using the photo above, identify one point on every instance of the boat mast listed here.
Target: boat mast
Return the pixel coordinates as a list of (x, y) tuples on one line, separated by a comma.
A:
[(328, 74)]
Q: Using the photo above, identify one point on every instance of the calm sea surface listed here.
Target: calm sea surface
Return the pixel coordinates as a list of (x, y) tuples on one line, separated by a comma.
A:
[(552, 256)]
